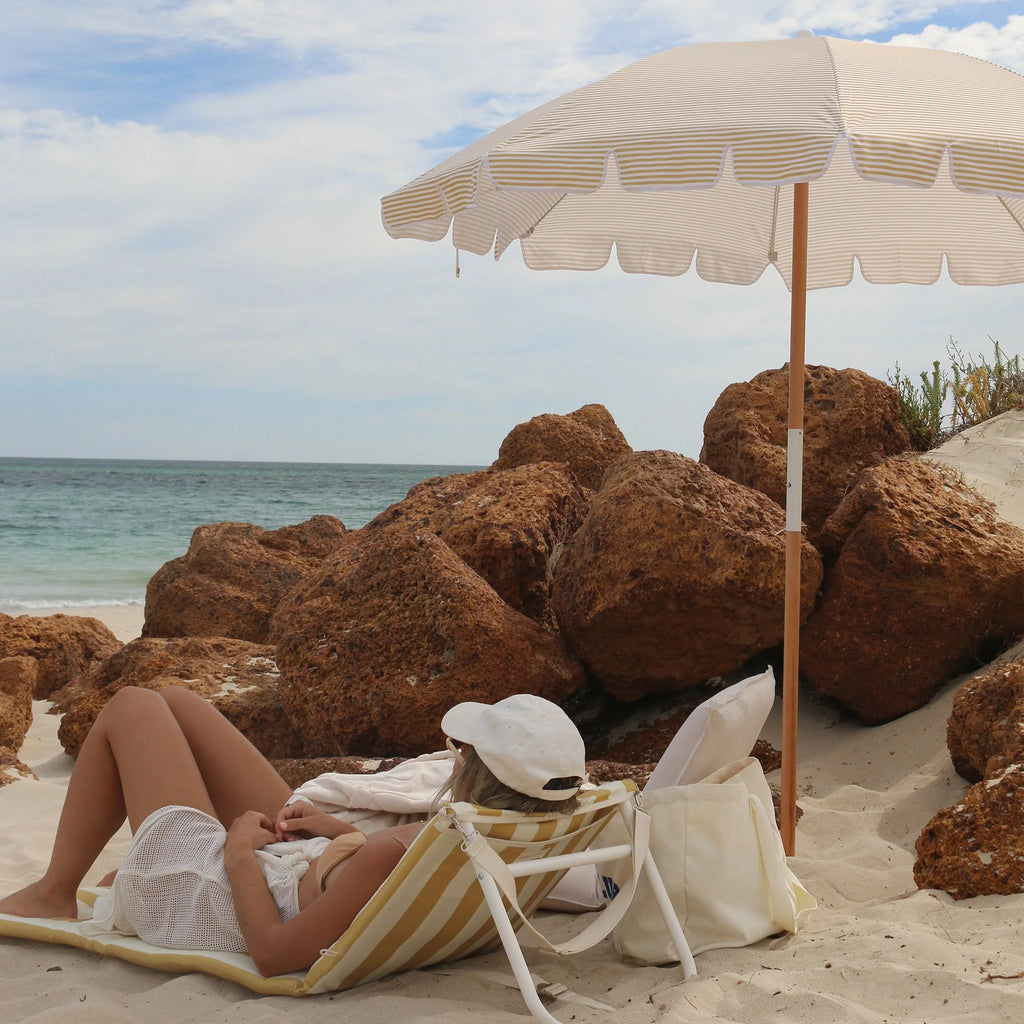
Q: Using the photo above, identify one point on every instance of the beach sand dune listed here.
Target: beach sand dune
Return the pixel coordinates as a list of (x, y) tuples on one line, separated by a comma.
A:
[(876, 950)]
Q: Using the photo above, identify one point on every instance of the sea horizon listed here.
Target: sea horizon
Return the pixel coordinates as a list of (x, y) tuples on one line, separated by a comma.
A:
[(91, 532)]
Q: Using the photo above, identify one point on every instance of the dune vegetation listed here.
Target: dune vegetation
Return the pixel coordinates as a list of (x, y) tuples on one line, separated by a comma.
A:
[(951, 398)]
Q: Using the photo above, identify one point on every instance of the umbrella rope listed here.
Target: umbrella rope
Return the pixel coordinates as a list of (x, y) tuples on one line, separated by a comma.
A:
[(537, 223)]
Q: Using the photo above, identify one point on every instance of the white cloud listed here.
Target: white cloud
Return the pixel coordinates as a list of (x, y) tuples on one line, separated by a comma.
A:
[(1001, 45), (234, 235)]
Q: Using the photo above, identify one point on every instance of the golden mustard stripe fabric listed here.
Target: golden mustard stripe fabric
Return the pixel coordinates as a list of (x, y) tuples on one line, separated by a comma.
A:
[(686, 160), (435, 910)]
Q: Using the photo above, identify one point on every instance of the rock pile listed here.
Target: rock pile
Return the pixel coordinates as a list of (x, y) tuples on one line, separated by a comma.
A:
[(577, 569), (976, 847), (675, 576), (924, 581), (232, 577), (851, 422), (239, 678), (38, 655), (391, 631)]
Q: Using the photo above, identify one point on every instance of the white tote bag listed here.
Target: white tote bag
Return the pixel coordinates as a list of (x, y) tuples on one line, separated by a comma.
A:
[(721, 856)]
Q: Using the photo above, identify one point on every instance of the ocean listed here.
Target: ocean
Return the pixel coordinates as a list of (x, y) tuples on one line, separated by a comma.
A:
[(91, 532)]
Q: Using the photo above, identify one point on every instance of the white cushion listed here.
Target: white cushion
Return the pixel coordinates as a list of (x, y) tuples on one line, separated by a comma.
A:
[(578, 891), (722, 729)]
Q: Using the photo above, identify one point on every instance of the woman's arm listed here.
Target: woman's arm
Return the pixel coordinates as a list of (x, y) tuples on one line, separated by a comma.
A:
[(294, 945), (300, 820)]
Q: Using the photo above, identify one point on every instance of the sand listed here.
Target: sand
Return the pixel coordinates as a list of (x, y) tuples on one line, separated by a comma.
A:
[(876, 950), (124, 621)]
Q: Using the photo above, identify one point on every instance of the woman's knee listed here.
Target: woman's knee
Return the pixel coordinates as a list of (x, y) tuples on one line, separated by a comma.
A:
[(173, 695), (131, 702), (183, 703)]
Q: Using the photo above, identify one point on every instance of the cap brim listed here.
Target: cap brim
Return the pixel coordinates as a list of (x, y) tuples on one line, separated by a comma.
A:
[(460, 721)]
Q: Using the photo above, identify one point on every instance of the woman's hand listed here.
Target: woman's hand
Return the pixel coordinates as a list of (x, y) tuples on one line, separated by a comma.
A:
[(301, 820), (250, 831)]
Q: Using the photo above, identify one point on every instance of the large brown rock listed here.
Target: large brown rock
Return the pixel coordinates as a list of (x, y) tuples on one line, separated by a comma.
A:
[(928, 582), (17, 684), (985, 730), (976, 847), (394, 629), (239, 678), (587, 439), (676, 576), (508, 525), (232, 576), (851, 421), (63, 646)]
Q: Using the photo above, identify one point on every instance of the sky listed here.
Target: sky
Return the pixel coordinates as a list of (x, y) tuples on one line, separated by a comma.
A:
[(193, 266)]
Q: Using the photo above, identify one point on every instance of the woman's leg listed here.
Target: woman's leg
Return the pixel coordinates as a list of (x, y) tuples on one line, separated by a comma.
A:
[(134, 760), (237, 776)]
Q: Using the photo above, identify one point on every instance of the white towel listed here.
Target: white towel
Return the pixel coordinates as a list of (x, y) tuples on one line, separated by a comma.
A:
[(371, 802)]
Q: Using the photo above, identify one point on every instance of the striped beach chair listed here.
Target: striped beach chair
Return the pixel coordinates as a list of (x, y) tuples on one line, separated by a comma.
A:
[(466, 885)]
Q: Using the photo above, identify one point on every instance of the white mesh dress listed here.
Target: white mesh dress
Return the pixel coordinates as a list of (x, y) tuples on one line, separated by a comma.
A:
[(173, 889)]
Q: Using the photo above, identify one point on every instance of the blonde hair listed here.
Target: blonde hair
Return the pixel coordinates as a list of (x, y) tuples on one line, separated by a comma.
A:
[(473, 782)]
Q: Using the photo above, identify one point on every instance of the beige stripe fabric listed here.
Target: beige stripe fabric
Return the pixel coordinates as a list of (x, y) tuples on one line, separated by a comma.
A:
[(687, 158)]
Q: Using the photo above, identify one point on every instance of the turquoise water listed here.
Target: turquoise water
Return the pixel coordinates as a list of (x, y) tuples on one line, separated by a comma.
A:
[(92, 532)]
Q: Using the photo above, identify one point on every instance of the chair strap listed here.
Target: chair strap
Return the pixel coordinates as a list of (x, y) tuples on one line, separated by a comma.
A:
[(486, 859)]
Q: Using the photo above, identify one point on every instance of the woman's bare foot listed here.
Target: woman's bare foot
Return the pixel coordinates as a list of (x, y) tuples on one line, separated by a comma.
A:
[(36, 900)]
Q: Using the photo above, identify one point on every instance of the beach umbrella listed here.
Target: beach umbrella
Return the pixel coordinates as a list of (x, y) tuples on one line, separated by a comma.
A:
[(809, 155)]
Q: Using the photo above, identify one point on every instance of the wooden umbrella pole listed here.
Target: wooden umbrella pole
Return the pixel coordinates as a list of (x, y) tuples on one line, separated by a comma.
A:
[(794, 503)]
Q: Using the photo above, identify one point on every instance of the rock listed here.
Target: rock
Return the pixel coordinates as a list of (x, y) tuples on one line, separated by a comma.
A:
[(851, 421), (976, 847), (985, 731), (297, 770), (507, 525), (232, 577), (675, 576), (17, 684), (600, 772), (11, 769), (928, 583), (391, 631), (587, 439), (63, 646), (239, 678)]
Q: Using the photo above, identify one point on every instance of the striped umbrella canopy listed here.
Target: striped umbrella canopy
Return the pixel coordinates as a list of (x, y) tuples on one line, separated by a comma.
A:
[(806, 154)]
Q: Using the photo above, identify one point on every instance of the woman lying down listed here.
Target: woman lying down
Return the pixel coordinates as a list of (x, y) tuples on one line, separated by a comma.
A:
[(204, 806)]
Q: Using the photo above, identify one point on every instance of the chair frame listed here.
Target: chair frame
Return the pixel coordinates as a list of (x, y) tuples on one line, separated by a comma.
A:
[(493, 876), (361, 954)]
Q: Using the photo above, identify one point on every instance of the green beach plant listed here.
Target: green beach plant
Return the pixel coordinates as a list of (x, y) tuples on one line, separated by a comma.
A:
[(979, 390), (921, 407)]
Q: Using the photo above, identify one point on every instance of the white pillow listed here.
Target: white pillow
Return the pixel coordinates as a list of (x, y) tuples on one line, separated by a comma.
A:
[(578, 891), (722, 729)]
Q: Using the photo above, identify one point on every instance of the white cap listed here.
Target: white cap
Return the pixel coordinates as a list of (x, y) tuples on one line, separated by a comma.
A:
[(525, 740)]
